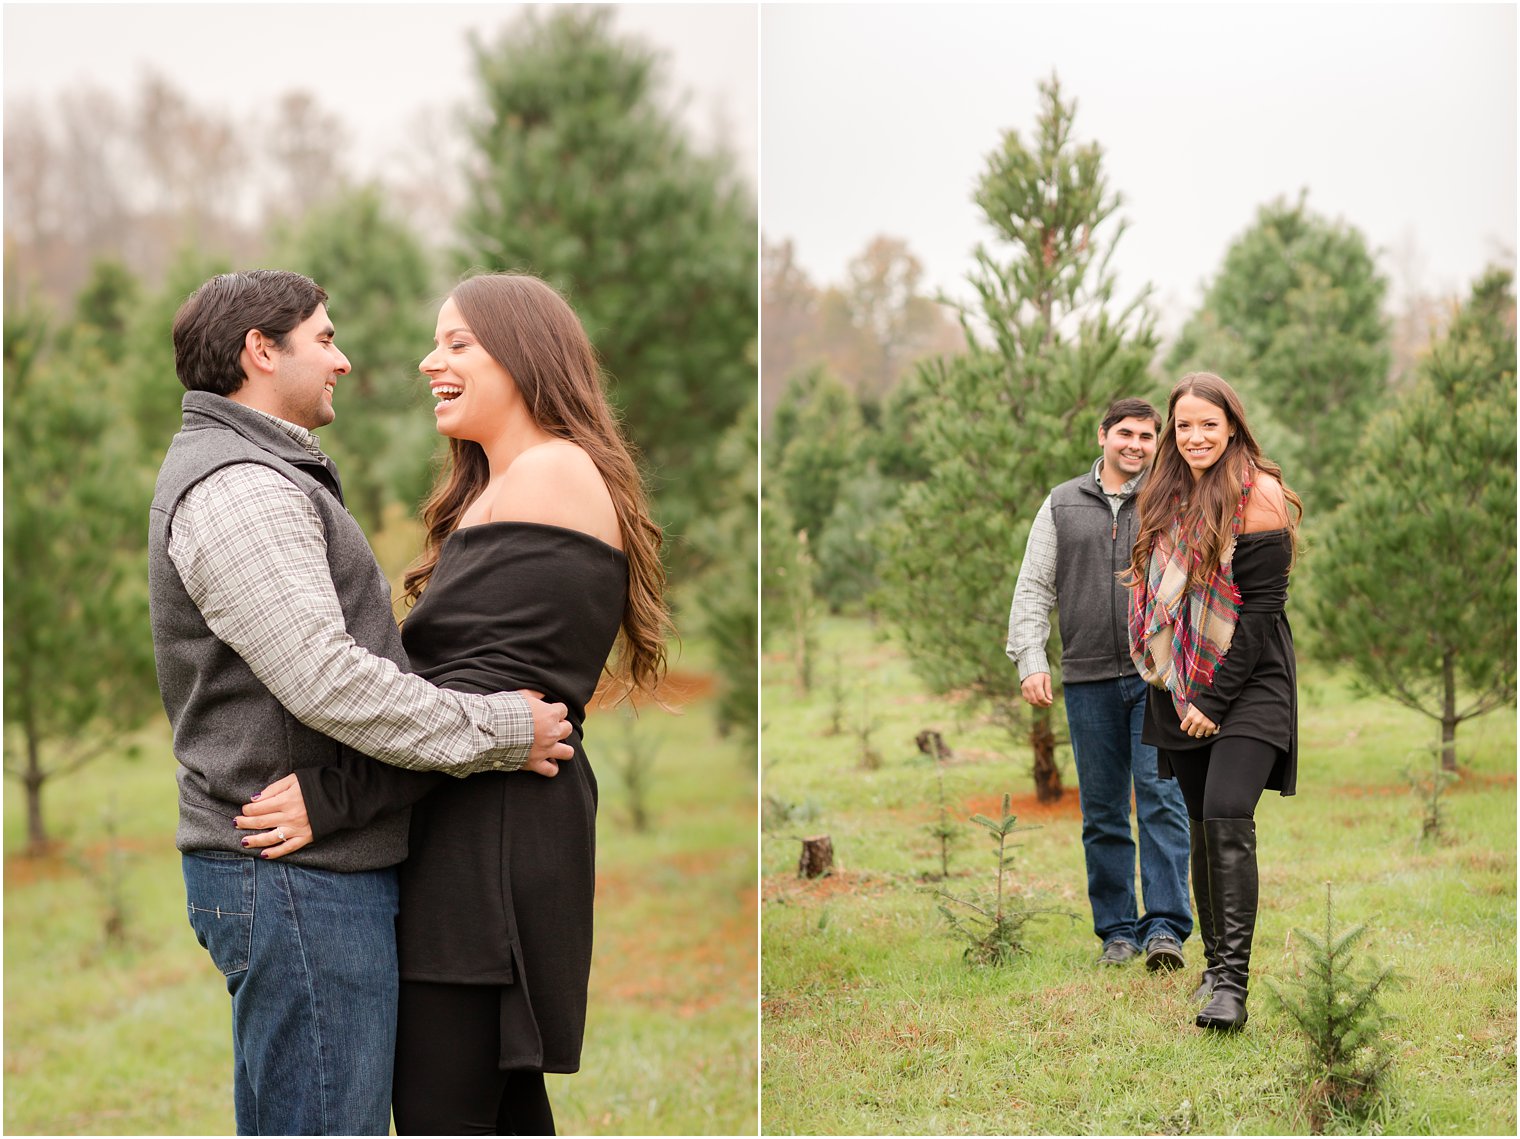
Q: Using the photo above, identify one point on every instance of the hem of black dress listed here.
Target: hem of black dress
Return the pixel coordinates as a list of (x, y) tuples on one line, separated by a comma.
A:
[(1194, 744), (526, 1064)]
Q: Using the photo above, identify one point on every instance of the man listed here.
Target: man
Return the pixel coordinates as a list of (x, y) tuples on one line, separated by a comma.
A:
[(1080, 541), (277, 651)]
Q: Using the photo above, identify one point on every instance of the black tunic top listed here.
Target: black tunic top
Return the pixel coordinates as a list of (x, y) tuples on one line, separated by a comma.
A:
[(1255, 689), (498, 886)]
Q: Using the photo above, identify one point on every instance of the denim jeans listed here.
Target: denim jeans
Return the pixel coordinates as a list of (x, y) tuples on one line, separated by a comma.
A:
[(1105, 718), (310, 961)]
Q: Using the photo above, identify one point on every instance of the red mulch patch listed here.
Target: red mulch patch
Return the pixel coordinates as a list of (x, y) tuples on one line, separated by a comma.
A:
[(789, 886), (703, 974), (59, 860), (1466, 781), (1477, 780), (1026, 808)]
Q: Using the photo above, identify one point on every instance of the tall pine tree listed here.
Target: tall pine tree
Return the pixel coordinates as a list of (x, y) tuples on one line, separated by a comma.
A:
[(378, 278), (152, 395), (1294, 320), (581, 176), (1415, 577), (814, 446), (1015, 415), (78, 659), (726, 602)]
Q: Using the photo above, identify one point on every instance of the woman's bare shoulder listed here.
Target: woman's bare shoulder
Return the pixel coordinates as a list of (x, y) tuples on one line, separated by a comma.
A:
[(1266, 508), (554, 460), (557, 484)]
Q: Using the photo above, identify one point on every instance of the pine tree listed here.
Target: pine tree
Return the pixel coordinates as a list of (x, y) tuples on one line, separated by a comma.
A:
[(815, 444), (778, 540), (892, 438), (1294, 321), (994, 929), (1338, 1010), (151, 393), (78, 659), (1415, 579), (105, 305), (582, 177), (377, 278), (849, 552), (727, 605), (1013, 416)]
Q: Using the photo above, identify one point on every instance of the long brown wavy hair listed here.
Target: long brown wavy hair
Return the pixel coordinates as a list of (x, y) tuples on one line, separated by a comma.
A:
[(1207, 506), (530, 330)]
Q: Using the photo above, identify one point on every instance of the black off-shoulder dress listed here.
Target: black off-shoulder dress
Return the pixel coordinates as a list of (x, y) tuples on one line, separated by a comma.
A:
[(1255, 689), (497, 888)]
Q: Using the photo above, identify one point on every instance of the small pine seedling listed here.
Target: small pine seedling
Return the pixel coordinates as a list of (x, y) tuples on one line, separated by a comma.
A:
[(804, 605), (994, 935), (633, 761), (776, 812), (870, 758), (942, 830), (1337, 1009), (1430, 788), (110, 880), (836, 699)]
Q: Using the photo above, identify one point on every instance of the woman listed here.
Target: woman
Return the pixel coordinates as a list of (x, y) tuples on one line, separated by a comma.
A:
[(1209, 578), (539, 552)]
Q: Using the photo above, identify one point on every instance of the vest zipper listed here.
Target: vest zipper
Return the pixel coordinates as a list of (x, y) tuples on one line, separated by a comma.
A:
[(1113, 616)]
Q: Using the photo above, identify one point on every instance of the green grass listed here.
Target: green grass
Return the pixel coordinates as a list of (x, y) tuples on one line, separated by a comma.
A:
[(873, 1024), (136, 1040)]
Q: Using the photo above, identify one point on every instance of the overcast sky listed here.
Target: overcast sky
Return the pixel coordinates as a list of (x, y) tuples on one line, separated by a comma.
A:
[(1399, 119), (374, 65)]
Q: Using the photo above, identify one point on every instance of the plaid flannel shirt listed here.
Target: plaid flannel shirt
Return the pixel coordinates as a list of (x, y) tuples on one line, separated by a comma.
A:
[(250, 550)]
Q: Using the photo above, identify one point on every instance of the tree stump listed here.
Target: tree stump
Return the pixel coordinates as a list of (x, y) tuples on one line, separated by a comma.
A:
[(817, 857), (932, 744)]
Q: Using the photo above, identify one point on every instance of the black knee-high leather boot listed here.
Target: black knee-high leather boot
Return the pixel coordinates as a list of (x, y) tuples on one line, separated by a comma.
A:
[(1200, 870), (1232, 900)]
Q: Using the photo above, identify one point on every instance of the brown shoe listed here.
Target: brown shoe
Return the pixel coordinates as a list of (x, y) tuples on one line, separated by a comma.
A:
[(1163, 952), (1118, 952)]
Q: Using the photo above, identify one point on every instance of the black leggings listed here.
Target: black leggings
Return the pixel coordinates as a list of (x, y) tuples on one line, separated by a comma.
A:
[(1223, 780), (448, 1038)]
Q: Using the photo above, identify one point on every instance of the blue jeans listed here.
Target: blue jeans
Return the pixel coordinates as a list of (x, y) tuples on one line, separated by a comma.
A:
[(1105, 719), (310, 961)]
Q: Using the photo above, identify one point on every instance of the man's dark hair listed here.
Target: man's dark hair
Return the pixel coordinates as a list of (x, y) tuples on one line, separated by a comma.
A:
[(210, 327), (1130, 409)]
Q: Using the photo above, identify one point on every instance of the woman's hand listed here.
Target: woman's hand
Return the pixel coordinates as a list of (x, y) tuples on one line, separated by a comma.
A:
[(279, 812), (1197, 725)]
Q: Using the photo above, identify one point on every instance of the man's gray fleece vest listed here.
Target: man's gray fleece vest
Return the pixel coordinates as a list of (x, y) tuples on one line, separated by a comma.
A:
[(1092, 549), (231, 736)]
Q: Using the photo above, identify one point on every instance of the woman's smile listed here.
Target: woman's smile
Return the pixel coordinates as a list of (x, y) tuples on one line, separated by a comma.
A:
[(1203, 432), (445, 392)]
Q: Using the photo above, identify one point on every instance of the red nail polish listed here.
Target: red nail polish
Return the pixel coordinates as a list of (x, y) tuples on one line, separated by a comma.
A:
[(245, 842), (256, 794), (263, 854)]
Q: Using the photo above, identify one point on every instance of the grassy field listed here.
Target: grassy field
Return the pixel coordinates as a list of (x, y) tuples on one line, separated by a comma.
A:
[(135, 1038), (873, 1024)]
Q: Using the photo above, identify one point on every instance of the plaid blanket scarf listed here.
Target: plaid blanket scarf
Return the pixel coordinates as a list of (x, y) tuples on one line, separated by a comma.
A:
[(1177, 636)]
